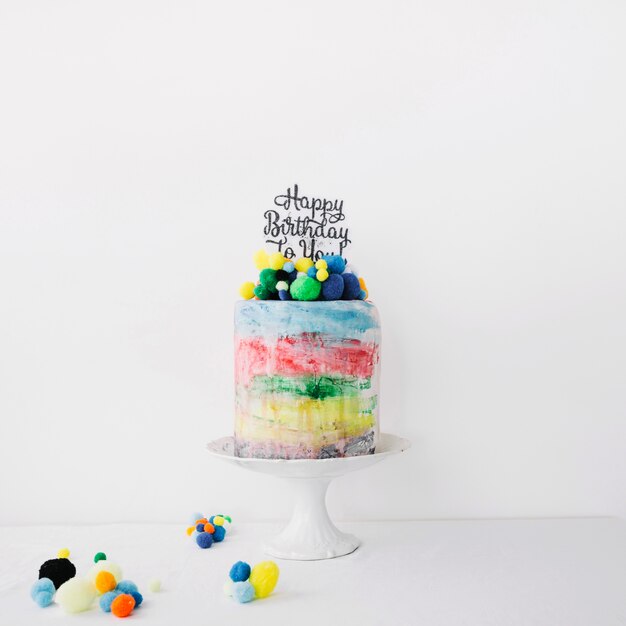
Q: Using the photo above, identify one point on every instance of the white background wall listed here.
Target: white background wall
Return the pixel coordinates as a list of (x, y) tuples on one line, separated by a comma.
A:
[(480, 151)]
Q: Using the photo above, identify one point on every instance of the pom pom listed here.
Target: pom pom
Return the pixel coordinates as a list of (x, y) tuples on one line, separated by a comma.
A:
[(301, 274), (311, 272), (350, 269), (264, 577), (281, 275), (209, 528), (204, 540), (227, 518), (218, 520), (351, 287), (123, 605), (138, 598), (106, 566), (107, 598), (335, 264), (363, 294), (154, 585), (362, 283), (100, 556), (58, 571), (76, 595), (284, 295), (105, 581), (228, 588), (201, 520), (292, 276), (246, 291), (42, 592), (262, 293), (332, 287), (303, 264), (268, 280), (322, 275), (281, 285), (320, 264), (200, 527), (63, 553), (261, 260), (190, 530), (277, 260), (127, 586), (243, 592), (305, 288), (219, 533), (289, 267), (239, 572)]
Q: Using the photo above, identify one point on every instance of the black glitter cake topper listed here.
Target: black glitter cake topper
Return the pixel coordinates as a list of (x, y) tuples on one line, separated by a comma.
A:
[(306, 226)]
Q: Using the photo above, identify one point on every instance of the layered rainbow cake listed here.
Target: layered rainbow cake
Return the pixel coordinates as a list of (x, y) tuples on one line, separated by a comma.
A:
[(306, 378)]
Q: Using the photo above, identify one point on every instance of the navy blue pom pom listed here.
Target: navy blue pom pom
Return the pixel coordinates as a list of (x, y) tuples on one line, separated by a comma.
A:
[(200, 528), (283, 294), (204, 540), (351, 287), (293, 275), (332, 287)]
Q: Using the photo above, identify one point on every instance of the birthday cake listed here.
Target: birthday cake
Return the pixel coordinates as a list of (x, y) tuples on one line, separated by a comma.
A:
[(307, 361)]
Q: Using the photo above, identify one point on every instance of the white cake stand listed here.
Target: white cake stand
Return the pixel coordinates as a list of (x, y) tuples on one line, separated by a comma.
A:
[(310, 535)]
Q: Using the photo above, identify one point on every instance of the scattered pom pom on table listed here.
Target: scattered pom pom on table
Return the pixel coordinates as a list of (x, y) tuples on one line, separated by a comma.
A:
[(351, 287), (76, 595), (42, 592), (240, 571), (332, 287), (63, 553), (154, 585), (123, 605), (219, 533), (264, 577), (305, 288), (106, 566), (100, 556), (204, 540), (107, 598), (243, 591), (59, 571), (105, 581), (335, 263), (246, 291)]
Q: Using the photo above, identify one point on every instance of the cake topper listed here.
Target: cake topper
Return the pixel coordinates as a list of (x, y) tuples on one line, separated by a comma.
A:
[(306, 226)]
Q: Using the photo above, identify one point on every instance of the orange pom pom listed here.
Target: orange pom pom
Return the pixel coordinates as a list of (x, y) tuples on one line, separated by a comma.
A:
[(209, 528), (202, 520), (105, 581), (123, 605)]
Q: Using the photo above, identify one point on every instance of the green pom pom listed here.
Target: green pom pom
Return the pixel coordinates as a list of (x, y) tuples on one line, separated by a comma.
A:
[(100, 556), (305, 288), (268, 280), (262, 293)]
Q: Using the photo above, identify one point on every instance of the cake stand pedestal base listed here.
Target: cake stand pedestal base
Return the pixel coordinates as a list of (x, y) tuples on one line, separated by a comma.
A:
[(310, 534)]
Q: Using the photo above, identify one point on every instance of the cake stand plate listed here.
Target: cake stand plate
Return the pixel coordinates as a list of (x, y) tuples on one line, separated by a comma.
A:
[(310, 534)]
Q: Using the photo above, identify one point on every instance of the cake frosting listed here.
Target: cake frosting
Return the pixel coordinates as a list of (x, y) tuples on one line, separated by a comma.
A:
[(306, 378)]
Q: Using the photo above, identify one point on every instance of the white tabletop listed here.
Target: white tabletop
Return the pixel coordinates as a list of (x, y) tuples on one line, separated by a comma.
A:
[(500, 573)]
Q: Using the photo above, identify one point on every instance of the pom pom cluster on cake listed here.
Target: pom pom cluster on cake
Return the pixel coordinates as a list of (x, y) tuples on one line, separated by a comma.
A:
[(329, 278)]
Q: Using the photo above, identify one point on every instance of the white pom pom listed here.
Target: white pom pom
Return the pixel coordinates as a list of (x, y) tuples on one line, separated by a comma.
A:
[(76, 595), (154, 585)]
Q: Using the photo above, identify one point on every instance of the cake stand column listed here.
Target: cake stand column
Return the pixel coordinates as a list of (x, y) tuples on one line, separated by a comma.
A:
[(310, 534)]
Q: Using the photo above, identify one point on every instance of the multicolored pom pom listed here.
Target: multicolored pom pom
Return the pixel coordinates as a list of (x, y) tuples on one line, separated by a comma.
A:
[(247, 583)]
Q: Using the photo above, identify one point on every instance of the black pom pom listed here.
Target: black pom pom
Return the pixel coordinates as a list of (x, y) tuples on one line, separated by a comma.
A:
[(58, 571), (282, 275)]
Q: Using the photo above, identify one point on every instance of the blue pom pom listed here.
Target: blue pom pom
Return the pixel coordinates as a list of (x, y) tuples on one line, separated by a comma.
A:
[(43, 599), (239, 572), (283, 294), (210, 519), (138, 598), (243, 591), (43, 585), (194, 517), (219, 534), (332, 287), (292, 276), (106, 599), (336, 265), (288, 267), (351, 287), (311, 272), (126, 586), (200, 528), (204, 540)]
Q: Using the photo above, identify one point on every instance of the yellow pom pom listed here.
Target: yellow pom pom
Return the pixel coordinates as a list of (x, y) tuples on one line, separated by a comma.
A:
[(246, 291), (190, 530), (362, 283), (63, 553), (218, 520), (277, 260), (261, 260), (263, 578), (321, 275), (303, 264), (321, 264)]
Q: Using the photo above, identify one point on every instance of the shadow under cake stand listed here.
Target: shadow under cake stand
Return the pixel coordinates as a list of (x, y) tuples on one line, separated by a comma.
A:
[(310, 534)]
